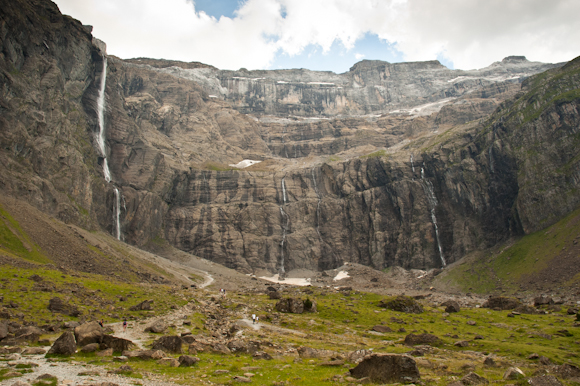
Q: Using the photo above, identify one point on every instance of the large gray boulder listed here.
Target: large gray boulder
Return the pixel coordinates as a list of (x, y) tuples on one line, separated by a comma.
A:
[(290, 305), (117, 344), (415, 339), (387, 368), (64, 345), (501, 303), (402, 304), (90, 332)]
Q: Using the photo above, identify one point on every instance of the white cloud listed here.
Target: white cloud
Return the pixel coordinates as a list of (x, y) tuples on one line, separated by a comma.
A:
[(470, 33)]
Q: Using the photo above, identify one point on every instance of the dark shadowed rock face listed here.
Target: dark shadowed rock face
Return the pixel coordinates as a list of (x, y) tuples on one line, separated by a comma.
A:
[(387, 368), (64, 345), (502, 303)]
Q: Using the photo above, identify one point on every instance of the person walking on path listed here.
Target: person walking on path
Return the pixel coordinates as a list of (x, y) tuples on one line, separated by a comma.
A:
[(125, 326), (253, 318)]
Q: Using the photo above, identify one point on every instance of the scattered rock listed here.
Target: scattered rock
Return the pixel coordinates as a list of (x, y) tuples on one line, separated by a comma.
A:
[(358, 355), (387, 368), (402, 304), (70, 324), (108, 352), (544, 380), (309, 352), (461, 343), (567, 371), (144, 354), (335, 362), (239, 378), (64, 345), (471, 322), (57, 305), (275, 295)]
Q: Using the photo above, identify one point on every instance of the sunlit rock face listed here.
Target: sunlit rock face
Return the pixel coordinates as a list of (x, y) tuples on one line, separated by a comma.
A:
[(406, 164)]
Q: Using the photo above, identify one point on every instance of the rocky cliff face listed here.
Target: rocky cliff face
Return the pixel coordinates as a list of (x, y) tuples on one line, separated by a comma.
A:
[(432, 177)]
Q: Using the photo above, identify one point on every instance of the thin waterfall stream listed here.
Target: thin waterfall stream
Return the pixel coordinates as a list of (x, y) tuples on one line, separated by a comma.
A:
[(432, 200), (101, 108)]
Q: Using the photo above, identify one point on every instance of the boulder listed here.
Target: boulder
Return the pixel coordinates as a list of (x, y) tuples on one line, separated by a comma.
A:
[(358, 355), (402, 304), (501, 303), (387, 368), (64, 345), (567, 371), (275, 295), (309, 352), (473, 379), (239, 378), (488, 361), (243, 346), (451, 306), (157, 327), (70, 324), (171, 362), (144, 354), (169, 344), (145, 305), (90, 332), (543, 301), (29, 334), (187, 361), (117, 344), (3, 330), (108, 352), (57, 305), (261, 355), (91, 347), (513, 373), (290, 305), (33, 351), (415, 339), (220, 348), (381, 328)]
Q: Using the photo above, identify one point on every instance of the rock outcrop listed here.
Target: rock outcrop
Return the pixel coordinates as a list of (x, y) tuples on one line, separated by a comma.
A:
[(429, 177)]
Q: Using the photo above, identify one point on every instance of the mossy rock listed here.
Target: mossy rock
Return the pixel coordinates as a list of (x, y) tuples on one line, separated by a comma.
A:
[(402, 304)]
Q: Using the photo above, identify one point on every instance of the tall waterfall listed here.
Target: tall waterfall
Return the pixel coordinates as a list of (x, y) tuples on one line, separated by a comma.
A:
[(317, 205), (412, 164), (101, 143), (284, 197), (432, 200), (285, 224)]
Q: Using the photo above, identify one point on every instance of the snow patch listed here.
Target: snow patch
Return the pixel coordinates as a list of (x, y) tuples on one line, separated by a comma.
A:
[(244, 164), (341, 275), (291, 281)]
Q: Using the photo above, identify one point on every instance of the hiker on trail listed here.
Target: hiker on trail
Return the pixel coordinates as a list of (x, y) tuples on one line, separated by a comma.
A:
[(253, 318), (124, 325), (257, 319), (101, 323)]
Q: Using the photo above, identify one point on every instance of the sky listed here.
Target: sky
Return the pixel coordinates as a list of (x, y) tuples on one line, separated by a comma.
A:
[(332, 35)]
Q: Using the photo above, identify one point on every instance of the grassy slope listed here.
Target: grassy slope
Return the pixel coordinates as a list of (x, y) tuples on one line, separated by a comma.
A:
[(511, 267)]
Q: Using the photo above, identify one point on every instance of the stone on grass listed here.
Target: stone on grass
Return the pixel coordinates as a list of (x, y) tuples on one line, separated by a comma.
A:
[(501, 303), (290, 305), (187, 361), (381, 328), (415, 339), (309, 352), (488, 361), (513, 373), (461, 343), (261, 355), (171, 362), (387, 368), (145, 305), (402, 304), (473, 379), (108, 352), (451, 306), (64, 345), (239, 378)]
